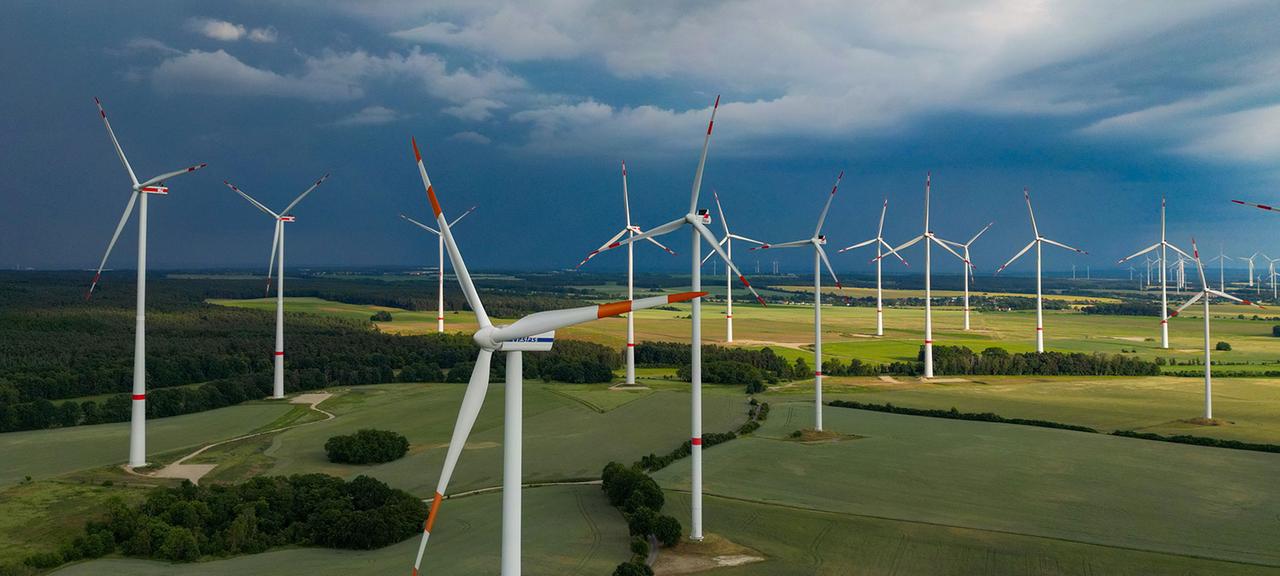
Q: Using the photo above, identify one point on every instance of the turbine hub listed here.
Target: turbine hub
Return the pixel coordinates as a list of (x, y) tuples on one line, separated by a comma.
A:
[(484, 338), (704, 215), (821, 239)]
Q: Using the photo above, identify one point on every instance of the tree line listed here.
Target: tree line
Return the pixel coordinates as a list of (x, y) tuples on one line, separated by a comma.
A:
[(189, 522)]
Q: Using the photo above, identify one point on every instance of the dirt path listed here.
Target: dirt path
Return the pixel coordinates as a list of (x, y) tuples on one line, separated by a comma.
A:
[(529, 485), (194, 472)]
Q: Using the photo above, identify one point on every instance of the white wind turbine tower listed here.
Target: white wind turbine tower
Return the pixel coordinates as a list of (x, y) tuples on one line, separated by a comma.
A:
[(440, 270), (535, 332), (817, 241), (1221, 259), (1205, 294), (138, 416), (880, 246), (277, 247), (1038, 242), (727, 242), (1250, 261), (968, 267), (1162, 262), (629, 230), (929, 239), (697, 220)]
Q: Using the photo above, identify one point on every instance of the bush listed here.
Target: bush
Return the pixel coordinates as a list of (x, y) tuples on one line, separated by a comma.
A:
[(642, 521), (367, 446), (667, 530), (633, 569), (1275, 331), (381, 316), (640, 546), (1223, 346)]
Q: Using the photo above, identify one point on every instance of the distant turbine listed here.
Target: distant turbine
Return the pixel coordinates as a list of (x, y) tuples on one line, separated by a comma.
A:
[(817, 241), (440, 270), (1205, 294), (968, 267), (629, 230), (697, 220), (1250, 261), (881, 245), (929, 239), (1037, 242), (1221, 259), (138, 415), (1164, 245), (277, 247), (535, 332), (727, 242)]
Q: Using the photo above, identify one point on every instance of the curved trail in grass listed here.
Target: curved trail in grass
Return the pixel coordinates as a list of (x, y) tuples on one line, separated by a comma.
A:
[(194, 472)]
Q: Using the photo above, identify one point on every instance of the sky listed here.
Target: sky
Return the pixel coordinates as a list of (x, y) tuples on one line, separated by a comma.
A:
[(527, 109)]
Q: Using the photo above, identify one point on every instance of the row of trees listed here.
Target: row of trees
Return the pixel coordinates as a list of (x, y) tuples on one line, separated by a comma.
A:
[(640, 500), (998, 361), (190, 522)]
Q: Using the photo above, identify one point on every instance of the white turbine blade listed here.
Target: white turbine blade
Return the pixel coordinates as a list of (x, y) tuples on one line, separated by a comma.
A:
[(1188, 303), (662, 246), (893, 252), (943, 244), (793, 244), (979, 234), (823, 216), (549, 320), (256, 203), (472, 401), (168, 175), (119, 151), (1016, 256), (825, 260), (304, 194), (711, 239), (626, 198), (1234, 299), (128, 209), (712, 253), (1241, 202), (702, 161), (856, 246), (455, 257), (1180, 251), (754, 241), (904, 245), (1035, 229), (667, 228), (603, 247), (464, 215), (1138, 253), (720, 210), (1195, 253), (1061, 245), (420, 225), (883, 209), (275, 249)]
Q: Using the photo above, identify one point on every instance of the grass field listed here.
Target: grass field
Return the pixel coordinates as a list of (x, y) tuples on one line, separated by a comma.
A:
[(1069, 486)]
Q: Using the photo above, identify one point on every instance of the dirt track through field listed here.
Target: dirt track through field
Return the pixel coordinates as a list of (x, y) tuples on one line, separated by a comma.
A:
[(194, 472)]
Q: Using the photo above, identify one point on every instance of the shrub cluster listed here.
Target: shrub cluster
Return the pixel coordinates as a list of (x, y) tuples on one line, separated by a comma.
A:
[(366, 446), (955, 414), (1123, 309), (640, 499), (191, 522)]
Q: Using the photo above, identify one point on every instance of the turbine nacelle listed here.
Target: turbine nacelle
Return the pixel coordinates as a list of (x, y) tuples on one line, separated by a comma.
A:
[(289, 218), (153, 189), (820, 240), (703, 216)]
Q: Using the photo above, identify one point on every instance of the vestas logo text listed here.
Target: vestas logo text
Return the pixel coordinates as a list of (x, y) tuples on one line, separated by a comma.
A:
[(532, 339)]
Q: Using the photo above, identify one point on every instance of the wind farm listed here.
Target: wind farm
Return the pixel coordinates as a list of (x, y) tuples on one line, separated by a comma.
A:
[(516, 404)]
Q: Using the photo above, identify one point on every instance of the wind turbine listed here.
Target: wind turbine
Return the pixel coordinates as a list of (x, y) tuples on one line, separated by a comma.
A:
[(817, 241), (968, 267), (155, 185), (440, 270), (1250, 261), (1205, 294), (697, 220), (1221, 259), (1163, 263), (535, 332), (629, 230), (1038, 242), (880, 246), (727, 242), (929, 238), (277, 247)]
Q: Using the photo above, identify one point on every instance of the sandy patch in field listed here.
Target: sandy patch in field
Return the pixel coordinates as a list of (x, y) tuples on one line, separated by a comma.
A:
[(889, 379), (1130, 338), (944, 380), (192, 472), (693, 557), (312, 399), (793, 345)]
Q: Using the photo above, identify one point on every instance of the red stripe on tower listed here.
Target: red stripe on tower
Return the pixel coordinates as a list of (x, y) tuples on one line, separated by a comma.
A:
[(279, 353), (817, 373), (696, 441), (928, 341), (139, 396)]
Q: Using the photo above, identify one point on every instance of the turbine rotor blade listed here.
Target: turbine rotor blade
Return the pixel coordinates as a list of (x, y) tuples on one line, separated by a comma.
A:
[(128, 209), (420, 225), (1061, 245), (724, 222), (745, 239), (304, 194), (1027, 194), (546, 321), (667, 228), (119, 151), (464, 215), (856, 246), (275, 249), (943, 244), (472, 401), (792, 244), (825, 260), (822, 217), (251, 200), (1188, 303), (711, 239), (702, 161), (1138, 253), (1016, 256), (979, 234), (455, 257), (1262, 206), (168, 175), (603, 247)]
